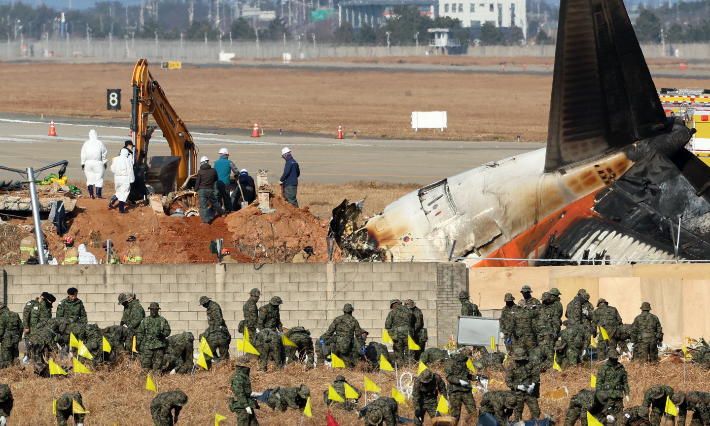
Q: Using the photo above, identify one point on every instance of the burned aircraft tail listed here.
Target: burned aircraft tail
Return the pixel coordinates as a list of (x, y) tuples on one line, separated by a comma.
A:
[(603, 97)]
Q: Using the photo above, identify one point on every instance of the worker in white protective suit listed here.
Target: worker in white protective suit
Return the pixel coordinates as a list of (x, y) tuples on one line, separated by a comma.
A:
[(122, 169), (93, 163), (85, 257)]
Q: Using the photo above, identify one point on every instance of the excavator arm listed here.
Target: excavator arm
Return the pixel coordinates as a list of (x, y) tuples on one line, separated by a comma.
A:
[(149, 99)]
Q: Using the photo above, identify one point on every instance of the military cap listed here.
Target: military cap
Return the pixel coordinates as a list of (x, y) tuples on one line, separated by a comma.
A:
[(243, 361), (49, 297), (520, 355), (72, 291), (204, 300), (463, 295), (276, 300), (365, 332), (409, 303), (426, 376), (612, 353), (304, 392), (600, 301), (555, 292), (64, 403), (546, 296), (645, 411), (121, 298), (154, 305), (586, 296), (645, 306), (508, 297), (348, 308), (581, 291), (373, 417), (339, 378), (5, 392), (526, 289), (677, 398), (510, 401), (393, 301), (181, 398), (466, 352), (560, 345), (255, 292), (657, 392)]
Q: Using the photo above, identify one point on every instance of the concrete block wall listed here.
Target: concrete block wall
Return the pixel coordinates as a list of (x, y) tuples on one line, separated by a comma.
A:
[(313, 294)]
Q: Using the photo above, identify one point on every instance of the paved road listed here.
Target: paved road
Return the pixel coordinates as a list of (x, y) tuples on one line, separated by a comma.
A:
[(24, 143)]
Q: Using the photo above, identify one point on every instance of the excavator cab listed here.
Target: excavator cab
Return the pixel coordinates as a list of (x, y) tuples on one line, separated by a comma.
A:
[(162, 173)]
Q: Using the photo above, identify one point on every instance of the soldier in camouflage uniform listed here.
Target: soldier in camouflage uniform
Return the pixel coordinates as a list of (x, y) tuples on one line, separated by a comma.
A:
[(573, 312), (541, 356), (468, 309), (151, 339), (339, 387), (6, 402), (695, 401), (425, 395), (546, 322), (460, 389), (500, 404), (566, 355), (559, 310), (116, 336), (341, 335), (251, 314), (573, 336), (65, 404), (283, 398), (269, 315), (42, 344), (382, 410), (217, 334), (524, 326), (178, 355), (579, 405), (623, 337), (655, 397), (36, 311), (613, 381), (420, 334), (271, 348), (242, 404), (162, 406), (434, 355), (647, 334), (507, 321), (72, 307), (524, 380), (587, 309), (10, 333), (133, 314), (528, 300), (304, 346), (607, 317), (493, 360), (398, 325), (374, 351), (636, 416), (93, 340)]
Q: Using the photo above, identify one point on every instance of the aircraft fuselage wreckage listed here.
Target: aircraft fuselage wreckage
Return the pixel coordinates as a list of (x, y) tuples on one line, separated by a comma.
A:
[(614, 183)]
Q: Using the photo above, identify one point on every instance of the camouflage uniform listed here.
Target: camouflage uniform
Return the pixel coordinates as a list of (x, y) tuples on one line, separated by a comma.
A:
[(647, 334), (528, 301), (383, 409), (178, 354), (241, 388), (587, 309), (116, 336), (398, 325), (524, 327), (339, 386), (151, 339), (655, 397), (607, 317), (559, 310), (702, 358), (566, 355), (133, 314), (74, 310), (500, 404), (460, 393), (420, 334), (541, 356), (695, 401), (636, 416), (271, 348), (10, 333), (623, 337), (612, 380), (269, 315), (507, 321), (468, 309), (574, 309), (217, 333), (251, 314), (494, 361), (65, 404), (425, 394), (579, 405), (304, 345), (162, 406), (373, 353), (283, 398), (43, 343), (93, 340), (573, 336), (6, 400), (432, 355), (524, 374), (341, 335), (37, 311), (546, 322)]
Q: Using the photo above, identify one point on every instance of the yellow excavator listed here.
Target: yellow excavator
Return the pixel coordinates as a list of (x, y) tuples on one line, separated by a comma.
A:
[(165, 173)]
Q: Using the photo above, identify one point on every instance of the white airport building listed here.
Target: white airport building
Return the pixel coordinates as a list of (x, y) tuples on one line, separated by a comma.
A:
[(473, 14)]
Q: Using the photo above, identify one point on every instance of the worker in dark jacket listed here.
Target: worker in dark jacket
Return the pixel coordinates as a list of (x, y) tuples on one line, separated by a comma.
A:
[(204, 185), (244, 189), (289, 179)]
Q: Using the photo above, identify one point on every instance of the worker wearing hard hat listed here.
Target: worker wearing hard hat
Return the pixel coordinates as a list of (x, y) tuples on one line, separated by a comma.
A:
[(71, 253), (224, 167), (226, 257), (204, 185), (289, 179), (134, 254), (244, 190)]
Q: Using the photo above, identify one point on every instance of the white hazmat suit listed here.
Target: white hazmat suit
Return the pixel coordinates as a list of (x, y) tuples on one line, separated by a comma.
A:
[(85, 257), (93, 159), (122, 169)]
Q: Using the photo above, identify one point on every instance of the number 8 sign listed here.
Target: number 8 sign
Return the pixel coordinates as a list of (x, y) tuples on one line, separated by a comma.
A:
[(113, 99)]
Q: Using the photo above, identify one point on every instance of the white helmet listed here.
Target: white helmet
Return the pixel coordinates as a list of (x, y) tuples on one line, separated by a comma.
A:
[(204, 160), (285, 151), (223, 151), (243, 171)]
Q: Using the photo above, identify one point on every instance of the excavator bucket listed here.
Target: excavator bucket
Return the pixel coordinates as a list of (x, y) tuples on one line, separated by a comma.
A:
[(162, 173)]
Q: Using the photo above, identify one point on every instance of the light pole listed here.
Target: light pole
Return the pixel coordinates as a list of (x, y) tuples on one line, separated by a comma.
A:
[(389, 51)]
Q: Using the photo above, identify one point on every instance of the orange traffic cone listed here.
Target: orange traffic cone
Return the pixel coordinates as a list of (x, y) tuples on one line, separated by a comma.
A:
[(52, 131), (255, 133), (502, 68), (524, 67), (340, 132)]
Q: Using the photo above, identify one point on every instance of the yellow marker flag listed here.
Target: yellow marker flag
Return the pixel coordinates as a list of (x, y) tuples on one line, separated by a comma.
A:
[(594, 381), (686, 355), (84, 351), (443, 406), (287, 341), (246, 334), (80, 368), (370, 386), (201, 361), (149, 385), (670, 407), (412, 345), (384, 364), (493, 343), (54, 369), (240, 345), (134, 345), (592, 341), (248, 347), (555, 365), (470, 366), (336, 362), (106, 345), (205, 347), (54, 405), (218, 418), (386, 337), (76, 408), (397, 395), (422, 367), (605, 335), (333, 395), (73, 341), (591, 421), (307, 409), (350, 393)]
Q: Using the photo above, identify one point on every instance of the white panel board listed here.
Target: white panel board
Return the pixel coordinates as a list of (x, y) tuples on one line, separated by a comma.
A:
[(477, 331), (429, 120)]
